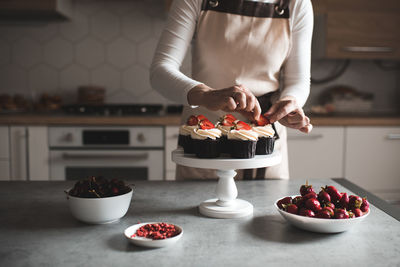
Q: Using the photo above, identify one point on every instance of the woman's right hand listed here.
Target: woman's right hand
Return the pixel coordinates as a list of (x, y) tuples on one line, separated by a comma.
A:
[(235, 98)]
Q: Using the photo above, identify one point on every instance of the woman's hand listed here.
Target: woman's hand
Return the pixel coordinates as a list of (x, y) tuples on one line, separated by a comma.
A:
[(235, 98), (288, 113)]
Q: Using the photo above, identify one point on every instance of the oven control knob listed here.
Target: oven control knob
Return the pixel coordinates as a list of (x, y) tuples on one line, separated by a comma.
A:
[(68, 137), (141, 138)]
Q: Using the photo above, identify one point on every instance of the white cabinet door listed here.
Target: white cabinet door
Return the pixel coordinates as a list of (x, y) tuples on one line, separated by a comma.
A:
[(38, 153), (4, 153), (18, 153), (318, 154), (373, 158), (171, 142)]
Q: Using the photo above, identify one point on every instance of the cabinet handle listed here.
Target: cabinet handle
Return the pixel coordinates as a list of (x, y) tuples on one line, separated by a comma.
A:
[(368, 49), (305, 137), (105, 156), (393, 136)]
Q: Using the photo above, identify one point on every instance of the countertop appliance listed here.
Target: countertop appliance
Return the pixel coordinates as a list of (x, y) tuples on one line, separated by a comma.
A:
[(128, 153)]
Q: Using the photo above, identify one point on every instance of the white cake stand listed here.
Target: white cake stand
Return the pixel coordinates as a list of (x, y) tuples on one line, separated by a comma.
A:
[(226, 205)]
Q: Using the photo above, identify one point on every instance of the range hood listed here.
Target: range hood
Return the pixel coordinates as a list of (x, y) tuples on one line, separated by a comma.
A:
[(34, 9)]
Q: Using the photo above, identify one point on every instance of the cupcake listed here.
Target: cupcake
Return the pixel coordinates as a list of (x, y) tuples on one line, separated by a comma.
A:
[(266, 136), (206, 140), (225, 124), (184, 139), (242, 141)]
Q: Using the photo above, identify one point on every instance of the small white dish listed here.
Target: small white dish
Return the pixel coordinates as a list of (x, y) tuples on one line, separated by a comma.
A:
[(148, 242), (319, 225)]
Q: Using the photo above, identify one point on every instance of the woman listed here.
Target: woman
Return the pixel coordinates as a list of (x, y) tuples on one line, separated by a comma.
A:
[(246, 55)]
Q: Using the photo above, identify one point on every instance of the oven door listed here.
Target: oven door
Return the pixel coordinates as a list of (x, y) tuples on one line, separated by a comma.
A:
[(122, 164)]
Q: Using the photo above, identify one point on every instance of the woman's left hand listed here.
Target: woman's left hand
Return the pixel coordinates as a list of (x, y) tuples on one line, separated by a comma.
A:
[(289, 114)]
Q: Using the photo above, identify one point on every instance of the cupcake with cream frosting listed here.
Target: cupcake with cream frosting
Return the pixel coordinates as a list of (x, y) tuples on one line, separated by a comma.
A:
[(206, 140), (225, 124), (242, 140), (184, 139), (266, 136)]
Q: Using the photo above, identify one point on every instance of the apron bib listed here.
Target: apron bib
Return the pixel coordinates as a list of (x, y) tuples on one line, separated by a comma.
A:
[(240, 42)]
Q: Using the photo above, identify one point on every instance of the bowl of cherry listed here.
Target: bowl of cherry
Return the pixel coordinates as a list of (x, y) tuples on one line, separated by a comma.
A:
[(329, 211), (97, 200)]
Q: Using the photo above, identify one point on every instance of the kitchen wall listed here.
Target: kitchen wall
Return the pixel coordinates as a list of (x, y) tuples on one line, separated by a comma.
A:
[(111, 43)]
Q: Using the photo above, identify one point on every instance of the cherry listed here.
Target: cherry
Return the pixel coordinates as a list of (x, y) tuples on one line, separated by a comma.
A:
[(310, 195), (313, 204), (291, 208), (323, 196), (364, 205), (306, 212), (344, 201), (330, 210), (333, 192), (306, 188), (341, 214), (355, 202), (357, 212), (285, 200), (323, 214), (299, 201)]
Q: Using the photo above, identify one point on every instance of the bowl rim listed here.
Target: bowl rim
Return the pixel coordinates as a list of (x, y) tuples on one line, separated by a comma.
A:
[(98, 198), (144, 239), (319, 219)]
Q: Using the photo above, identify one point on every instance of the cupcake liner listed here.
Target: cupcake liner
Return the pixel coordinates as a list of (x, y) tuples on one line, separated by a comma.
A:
[(208, 148), (242, 149), (265, 145), (225, 148)]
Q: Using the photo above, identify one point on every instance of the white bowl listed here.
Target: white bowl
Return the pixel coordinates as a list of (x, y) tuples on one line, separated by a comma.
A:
[(320, 225), (99, 210), (148, 242)]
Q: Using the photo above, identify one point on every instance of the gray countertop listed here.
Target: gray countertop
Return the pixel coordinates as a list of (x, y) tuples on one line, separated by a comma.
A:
[(37, 229)]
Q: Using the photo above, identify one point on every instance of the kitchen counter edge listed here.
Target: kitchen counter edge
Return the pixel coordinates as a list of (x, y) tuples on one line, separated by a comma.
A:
[(175, 120)]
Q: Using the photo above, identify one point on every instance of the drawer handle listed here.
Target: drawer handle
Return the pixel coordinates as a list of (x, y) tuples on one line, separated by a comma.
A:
[(368, 49), (393, 136), (305, 137), (72, 156)]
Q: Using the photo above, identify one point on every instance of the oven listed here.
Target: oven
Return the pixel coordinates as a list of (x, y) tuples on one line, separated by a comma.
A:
[(128, 153)]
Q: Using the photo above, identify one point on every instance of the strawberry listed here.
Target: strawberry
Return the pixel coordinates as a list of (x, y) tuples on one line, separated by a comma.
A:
[(262, 121), (228, 120), (357, 212), (364, 205), (284, 201), (192, 121), (241, 125), (230, 117), (333, 192), (324, 197), (313, 204), (201, 117), (206, 124), (306, 212), (344, 201), (323, 214), (291, 208), (341, 214)]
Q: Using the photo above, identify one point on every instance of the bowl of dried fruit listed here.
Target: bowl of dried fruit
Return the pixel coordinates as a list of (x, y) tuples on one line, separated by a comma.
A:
[(153, 234), (97, 200), (329, 211)]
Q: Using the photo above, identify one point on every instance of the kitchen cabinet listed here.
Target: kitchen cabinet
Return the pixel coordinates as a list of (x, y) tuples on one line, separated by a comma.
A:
[(4, 153), (359, 29), (171, 142), (316, 155), (18, 153), (373, 159)]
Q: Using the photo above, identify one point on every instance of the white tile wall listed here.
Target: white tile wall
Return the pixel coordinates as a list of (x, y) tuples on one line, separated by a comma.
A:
[(111, 44)]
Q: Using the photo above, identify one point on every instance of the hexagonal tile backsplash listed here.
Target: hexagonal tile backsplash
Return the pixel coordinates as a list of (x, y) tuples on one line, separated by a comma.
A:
[(106, 43)]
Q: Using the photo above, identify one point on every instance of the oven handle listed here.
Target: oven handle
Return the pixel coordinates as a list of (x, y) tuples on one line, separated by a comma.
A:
[(142, 156)]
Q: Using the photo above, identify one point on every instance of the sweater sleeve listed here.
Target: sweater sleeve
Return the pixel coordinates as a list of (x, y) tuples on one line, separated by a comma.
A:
[(296, 70), (165, 74)]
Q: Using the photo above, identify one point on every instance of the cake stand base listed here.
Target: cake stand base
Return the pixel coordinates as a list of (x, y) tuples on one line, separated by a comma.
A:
[(239, 208)]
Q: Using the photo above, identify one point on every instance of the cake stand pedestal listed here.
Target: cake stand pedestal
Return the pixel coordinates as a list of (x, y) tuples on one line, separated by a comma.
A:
[(226, 205)]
